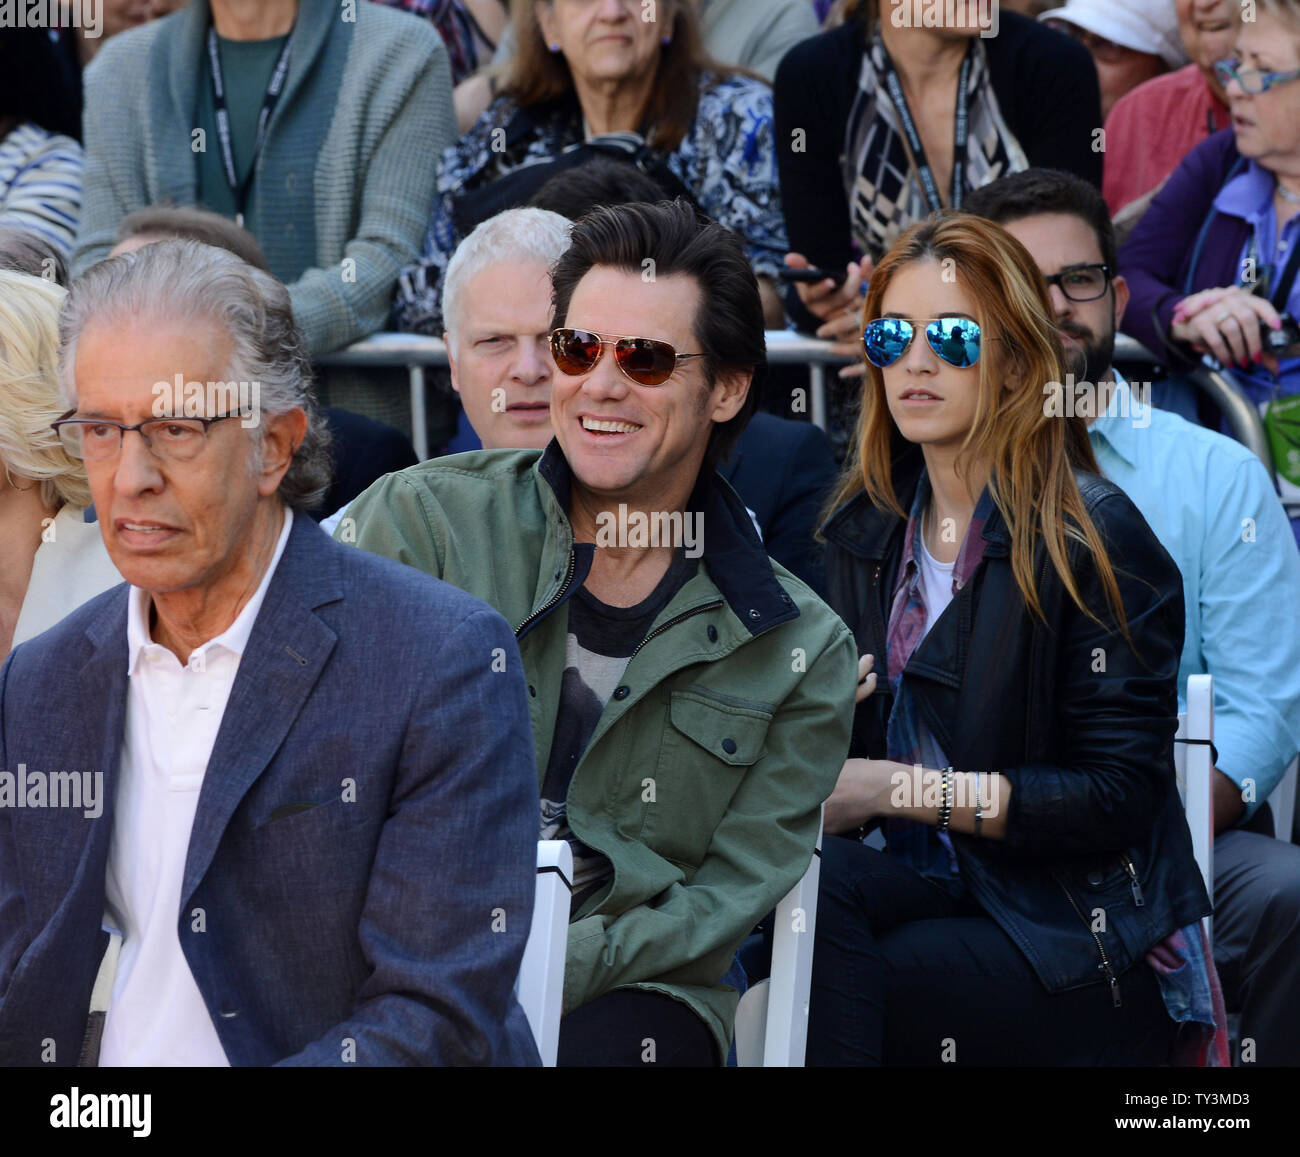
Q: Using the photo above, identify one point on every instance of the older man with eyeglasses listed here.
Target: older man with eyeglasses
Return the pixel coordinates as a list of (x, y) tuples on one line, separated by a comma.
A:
[(315, 843), (691, 699)]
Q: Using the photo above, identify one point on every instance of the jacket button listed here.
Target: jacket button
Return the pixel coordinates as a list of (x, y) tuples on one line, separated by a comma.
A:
[(532, 690), (1094, 878), (729, 746), (713, 633), (785, 599), (622, 692), (753, 614)]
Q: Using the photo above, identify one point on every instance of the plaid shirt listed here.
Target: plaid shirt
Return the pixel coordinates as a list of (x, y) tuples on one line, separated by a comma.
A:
[(919, 845)]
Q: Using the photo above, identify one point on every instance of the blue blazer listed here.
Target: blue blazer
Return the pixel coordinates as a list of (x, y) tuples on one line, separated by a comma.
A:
[(784, 470), (362, 860)]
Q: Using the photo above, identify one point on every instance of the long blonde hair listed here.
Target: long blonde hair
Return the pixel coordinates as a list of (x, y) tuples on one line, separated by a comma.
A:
[(29, 391), (1031, 451)]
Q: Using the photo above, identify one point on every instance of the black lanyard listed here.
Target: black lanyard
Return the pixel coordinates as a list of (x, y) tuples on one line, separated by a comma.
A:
[(1280, 289), (269, 101), (928, 183)]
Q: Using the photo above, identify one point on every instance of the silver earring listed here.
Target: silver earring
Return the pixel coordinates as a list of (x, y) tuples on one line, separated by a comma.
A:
[(15, 484)]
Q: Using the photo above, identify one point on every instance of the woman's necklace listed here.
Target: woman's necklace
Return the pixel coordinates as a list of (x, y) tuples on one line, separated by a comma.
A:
[(1287, 195)]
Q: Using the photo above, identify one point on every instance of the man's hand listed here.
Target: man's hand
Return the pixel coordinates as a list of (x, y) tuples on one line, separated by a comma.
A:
[(861, 792), (1229, 807), (866, 678)]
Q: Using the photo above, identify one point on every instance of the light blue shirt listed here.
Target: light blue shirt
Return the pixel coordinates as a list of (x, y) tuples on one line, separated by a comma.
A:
[(1212, 506)]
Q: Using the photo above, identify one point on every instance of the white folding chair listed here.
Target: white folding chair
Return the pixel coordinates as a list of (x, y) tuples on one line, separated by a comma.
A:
[(772, 1017), (540, 986), (1282, 802), (1193, 764)]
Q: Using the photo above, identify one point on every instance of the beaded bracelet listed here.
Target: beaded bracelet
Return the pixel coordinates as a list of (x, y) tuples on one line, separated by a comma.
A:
[(945, 808)]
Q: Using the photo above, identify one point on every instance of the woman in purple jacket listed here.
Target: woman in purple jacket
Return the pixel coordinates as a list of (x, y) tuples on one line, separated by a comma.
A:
[(1212, 264)]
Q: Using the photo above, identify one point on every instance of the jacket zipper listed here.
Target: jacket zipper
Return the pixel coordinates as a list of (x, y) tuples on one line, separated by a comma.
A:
[(878, 616), (537, 614), (1133, 880), (1105, 967), (659, 630)]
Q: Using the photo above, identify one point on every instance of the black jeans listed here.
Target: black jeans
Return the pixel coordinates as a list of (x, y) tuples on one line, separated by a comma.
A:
[(630, 1027), (905, 974)]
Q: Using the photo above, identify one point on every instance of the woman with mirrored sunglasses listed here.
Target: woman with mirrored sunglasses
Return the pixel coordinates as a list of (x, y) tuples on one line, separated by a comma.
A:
[(1019, 626)]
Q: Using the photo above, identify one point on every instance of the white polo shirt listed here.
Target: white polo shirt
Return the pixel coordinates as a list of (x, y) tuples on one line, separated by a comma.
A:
[(157, 1015)]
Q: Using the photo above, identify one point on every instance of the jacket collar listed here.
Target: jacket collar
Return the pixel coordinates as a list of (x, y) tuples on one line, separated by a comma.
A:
[(866, 530), (733, 553), (1115, 425), (285, 655)]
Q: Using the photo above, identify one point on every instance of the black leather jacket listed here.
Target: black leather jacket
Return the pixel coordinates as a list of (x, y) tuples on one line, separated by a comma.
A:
[(1066, 711)]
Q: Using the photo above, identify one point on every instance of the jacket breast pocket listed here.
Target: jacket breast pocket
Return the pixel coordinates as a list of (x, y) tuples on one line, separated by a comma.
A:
[(709, 746), (297, 840)]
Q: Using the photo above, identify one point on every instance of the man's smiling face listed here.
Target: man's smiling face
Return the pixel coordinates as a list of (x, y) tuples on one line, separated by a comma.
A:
[(625, 441)]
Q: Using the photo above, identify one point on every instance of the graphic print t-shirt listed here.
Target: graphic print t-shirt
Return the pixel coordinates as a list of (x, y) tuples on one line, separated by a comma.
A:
[(600, 642)]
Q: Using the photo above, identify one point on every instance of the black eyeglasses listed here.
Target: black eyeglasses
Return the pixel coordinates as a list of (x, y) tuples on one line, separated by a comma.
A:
[(1082, 282), (175, 439)]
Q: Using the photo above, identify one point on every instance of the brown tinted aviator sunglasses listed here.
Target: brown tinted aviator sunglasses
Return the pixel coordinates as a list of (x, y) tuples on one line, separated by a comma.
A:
[(643, 360)]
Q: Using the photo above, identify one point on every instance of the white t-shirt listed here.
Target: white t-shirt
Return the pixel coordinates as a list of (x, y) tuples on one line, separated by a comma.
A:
[(936, 582)]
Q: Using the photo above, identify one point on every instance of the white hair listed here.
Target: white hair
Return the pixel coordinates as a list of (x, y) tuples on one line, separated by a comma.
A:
[(187, 280), (515, 236)]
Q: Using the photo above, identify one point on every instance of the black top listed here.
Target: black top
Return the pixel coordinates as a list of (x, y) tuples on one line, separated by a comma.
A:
[(1094, 816), (600, 642), (1045, 83)]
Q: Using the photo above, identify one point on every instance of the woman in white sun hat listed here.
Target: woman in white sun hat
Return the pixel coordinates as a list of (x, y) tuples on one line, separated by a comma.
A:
[(1130, 41)]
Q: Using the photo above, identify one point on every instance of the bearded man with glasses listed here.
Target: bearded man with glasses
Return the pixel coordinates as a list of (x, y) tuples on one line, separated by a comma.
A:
[(265, 878), (691, 699)]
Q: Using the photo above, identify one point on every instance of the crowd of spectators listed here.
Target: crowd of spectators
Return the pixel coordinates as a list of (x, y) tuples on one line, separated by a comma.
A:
[(600, 206)]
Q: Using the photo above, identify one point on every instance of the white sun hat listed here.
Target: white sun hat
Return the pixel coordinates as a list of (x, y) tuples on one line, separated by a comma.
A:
[(1149, 26)]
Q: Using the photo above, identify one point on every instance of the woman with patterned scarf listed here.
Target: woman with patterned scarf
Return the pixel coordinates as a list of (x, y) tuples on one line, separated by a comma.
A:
[(883, 120)]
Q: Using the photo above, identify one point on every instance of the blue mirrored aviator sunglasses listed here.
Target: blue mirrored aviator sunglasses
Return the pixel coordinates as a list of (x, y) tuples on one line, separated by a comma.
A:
[(954, 339)]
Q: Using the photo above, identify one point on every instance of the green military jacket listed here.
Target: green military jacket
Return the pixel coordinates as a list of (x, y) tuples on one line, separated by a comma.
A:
[(703, 780)]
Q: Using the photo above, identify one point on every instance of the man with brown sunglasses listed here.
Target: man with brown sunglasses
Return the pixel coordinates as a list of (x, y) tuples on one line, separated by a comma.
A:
[(690, 699)]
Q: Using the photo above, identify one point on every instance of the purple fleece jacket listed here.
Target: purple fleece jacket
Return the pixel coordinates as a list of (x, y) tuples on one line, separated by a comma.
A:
[(1166, 257)]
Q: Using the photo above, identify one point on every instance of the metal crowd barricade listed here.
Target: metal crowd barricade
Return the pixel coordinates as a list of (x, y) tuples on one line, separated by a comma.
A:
[(784, 347)]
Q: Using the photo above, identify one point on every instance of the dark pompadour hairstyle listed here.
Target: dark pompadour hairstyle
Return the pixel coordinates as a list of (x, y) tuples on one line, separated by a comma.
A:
[(679, 239), (1035, 191)]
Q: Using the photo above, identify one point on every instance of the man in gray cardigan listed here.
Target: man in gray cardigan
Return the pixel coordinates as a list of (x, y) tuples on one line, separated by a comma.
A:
[(340, 189)]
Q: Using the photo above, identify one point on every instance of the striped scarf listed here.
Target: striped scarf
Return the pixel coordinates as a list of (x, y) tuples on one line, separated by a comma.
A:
[(884, 192)]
